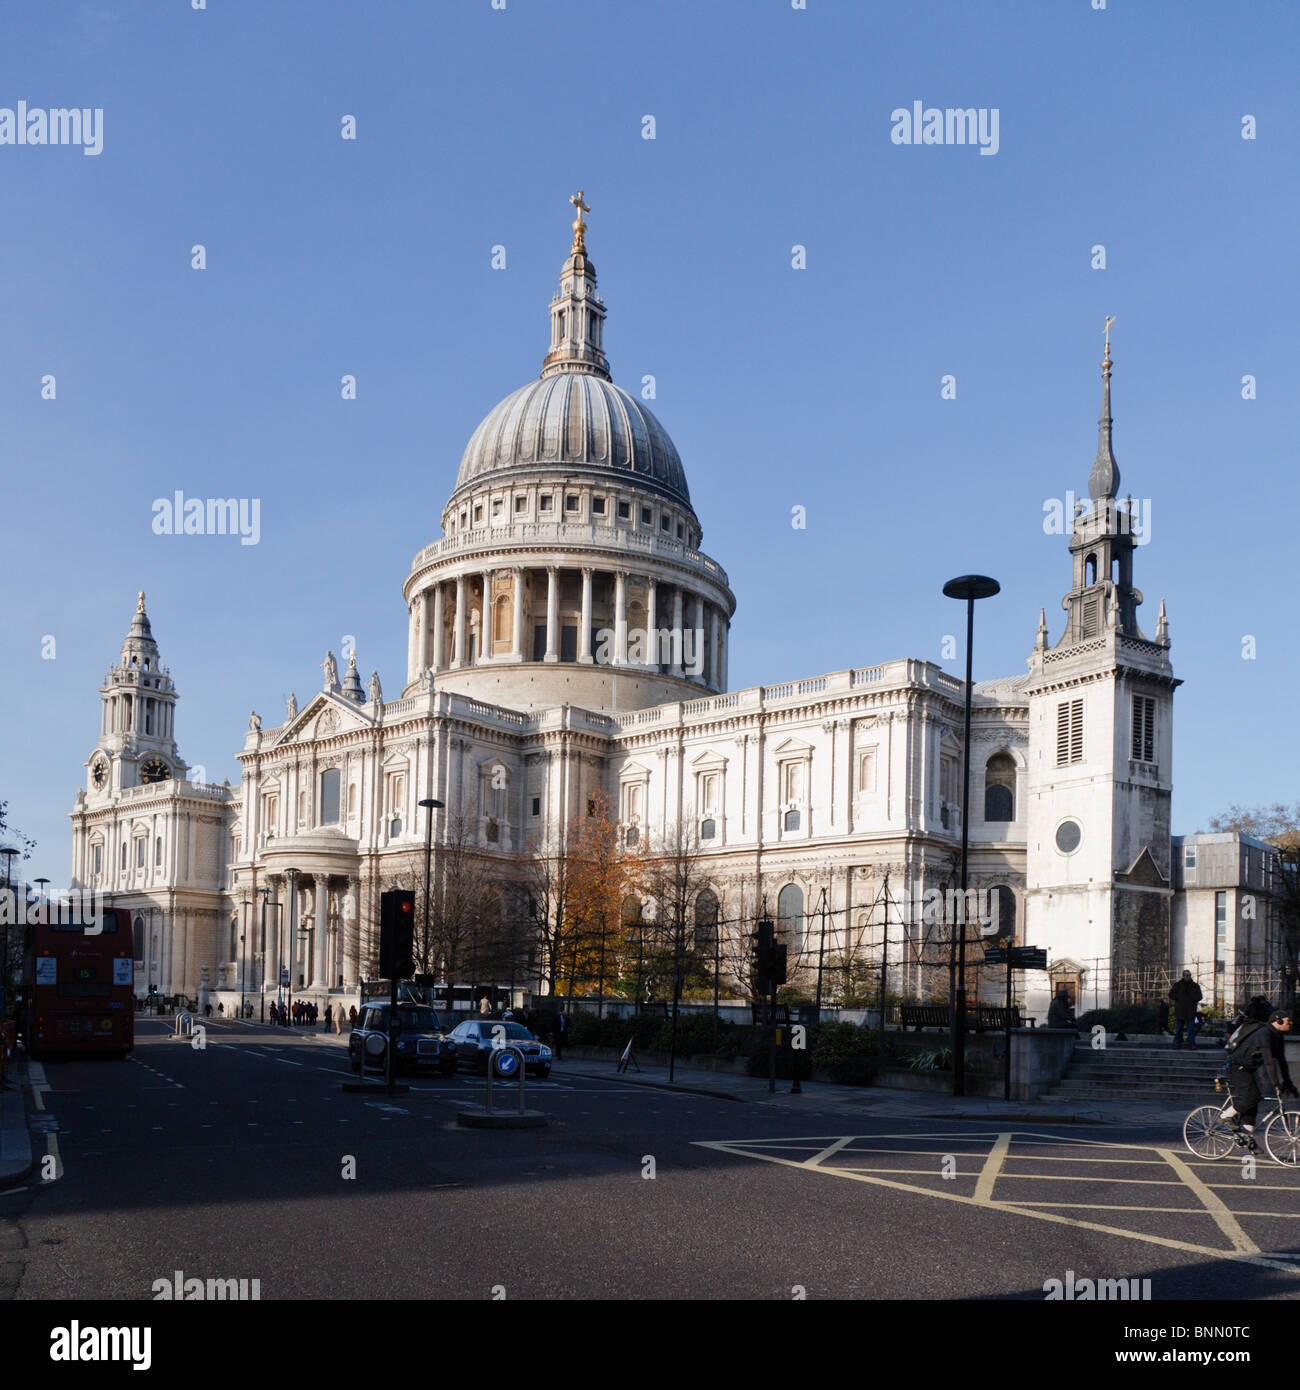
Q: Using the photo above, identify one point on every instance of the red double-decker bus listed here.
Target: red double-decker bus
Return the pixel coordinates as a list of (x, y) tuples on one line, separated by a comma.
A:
[(82, 986)]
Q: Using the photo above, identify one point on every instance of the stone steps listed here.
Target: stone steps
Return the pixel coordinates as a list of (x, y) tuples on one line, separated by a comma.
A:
[(1133, 1072)]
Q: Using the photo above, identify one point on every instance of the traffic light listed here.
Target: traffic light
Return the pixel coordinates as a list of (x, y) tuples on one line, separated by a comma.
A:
[(776, 965), (764, 940), (397, 934)]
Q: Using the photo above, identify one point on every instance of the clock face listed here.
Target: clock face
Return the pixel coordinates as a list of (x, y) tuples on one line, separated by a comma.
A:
[(99, 774), (155, 770)]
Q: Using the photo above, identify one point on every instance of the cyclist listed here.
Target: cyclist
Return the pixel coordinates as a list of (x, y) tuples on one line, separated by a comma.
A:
[(1259, 1043)]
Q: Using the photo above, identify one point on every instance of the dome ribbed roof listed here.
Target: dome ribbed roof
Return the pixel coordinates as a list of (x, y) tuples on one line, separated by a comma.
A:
[(575, 419)]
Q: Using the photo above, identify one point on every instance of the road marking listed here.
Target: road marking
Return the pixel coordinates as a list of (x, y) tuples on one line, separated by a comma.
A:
[(52, 1151), (815, 1149), (829, 1150), (288, 1063), (1223, 1218)]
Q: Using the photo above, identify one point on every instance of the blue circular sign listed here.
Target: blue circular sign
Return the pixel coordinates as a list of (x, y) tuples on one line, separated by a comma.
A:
[(506, 1063)]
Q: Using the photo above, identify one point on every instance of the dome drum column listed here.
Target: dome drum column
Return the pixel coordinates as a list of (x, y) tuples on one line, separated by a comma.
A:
[(584, 631), (458, 650), (651, 650), (620, 618), (552, 614), (435, 661), (517, 619), (677, 635)]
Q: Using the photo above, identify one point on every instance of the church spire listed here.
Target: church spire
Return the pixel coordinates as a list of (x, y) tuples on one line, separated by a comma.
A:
[(1103, 481), (577, 311)]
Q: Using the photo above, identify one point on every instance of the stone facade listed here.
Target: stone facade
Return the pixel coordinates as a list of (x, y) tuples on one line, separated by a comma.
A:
[(531, 682)]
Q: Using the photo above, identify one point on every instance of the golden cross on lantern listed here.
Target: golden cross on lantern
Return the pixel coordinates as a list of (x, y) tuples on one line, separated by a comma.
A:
[(579, 226), (139, 608)]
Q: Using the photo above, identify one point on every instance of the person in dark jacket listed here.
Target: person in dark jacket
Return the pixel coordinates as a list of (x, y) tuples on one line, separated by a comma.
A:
[(1257, 1046), (1186, 995), (1058, 1011)]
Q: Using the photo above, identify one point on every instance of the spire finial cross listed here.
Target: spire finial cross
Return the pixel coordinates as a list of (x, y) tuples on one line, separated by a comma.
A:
[(579, 226), (139, 607)]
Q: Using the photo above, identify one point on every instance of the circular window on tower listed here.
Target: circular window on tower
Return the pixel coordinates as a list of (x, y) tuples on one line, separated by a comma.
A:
[(1068, 836)]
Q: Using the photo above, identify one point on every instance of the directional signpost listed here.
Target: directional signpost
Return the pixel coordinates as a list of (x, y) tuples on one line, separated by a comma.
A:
[(1014, 958)]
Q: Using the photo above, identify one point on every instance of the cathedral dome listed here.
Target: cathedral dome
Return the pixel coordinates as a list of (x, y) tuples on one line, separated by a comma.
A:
[(574, 419)]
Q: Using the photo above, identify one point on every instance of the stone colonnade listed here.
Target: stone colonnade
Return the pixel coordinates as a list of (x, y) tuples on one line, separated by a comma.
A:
[(678, 632), (317, 939)]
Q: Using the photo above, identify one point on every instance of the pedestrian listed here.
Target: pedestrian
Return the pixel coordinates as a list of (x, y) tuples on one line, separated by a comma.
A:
[(352, 1017), (221, 1009), (329, 1017), (1259, 1044), (1059, 1014), (484, 1007), (272, 1013), (1186, 995), (561, 1034)]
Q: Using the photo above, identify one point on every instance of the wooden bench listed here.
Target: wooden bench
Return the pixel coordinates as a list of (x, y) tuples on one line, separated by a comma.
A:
[(993, 1018), (925, 1015), (982, 1017)]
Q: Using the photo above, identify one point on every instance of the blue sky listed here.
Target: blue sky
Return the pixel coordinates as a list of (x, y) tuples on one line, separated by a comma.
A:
[(817, 388)]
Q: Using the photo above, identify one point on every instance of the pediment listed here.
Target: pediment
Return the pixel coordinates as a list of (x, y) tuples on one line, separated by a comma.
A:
[(632, 772), (324, 716), (1144, 872), (793, 748), (707, 760)]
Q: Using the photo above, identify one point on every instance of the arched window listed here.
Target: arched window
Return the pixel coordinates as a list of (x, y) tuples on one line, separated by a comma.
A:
[(1004, 900), (1000, 788), (1090, 570), (329, 796), (157, 852), (789, 919), (706, 921), (501, 620), (139, 938)]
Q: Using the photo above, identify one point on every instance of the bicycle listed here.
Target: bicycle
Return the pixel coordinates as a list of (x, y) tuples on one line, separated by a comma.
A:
[(1208, 1135)]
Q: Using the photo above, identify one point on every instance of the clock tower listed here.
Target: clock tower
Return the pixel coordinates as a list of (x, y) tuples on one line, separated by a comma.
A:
[(137, 743), (1098, 883)]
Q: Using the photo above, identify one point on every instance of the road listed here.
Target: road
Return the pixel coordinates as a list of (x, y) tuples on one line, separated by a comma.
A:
[(244, 1160)]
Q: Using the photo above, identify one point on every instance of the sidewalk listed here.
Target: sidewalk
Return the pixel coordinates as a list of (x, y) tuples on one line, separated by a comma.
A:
[(868, 1100), (16, 1160)]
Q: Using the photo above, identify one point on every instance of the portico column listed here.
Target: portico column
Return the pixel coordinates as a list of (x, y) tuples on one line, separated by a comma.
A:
[(435, 650), (350, 932), (320, 945), (678, 640), (697, 641), (714, 670), (651, 626), (422, 632), (458, 649), (620, 618), (584, 631), (552, 612), (517, 634)]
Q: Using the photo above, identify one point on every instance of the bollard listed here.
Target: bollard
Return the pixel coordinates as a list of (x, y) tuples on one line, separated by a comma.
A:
[(491, 1068)]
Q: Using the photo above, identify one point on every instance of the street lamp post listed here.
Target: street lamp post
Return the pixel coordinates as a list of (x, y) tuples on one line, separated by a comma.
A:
[(430, 804), (969, 587), (9, 853), (243, 954), (291, 932)]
